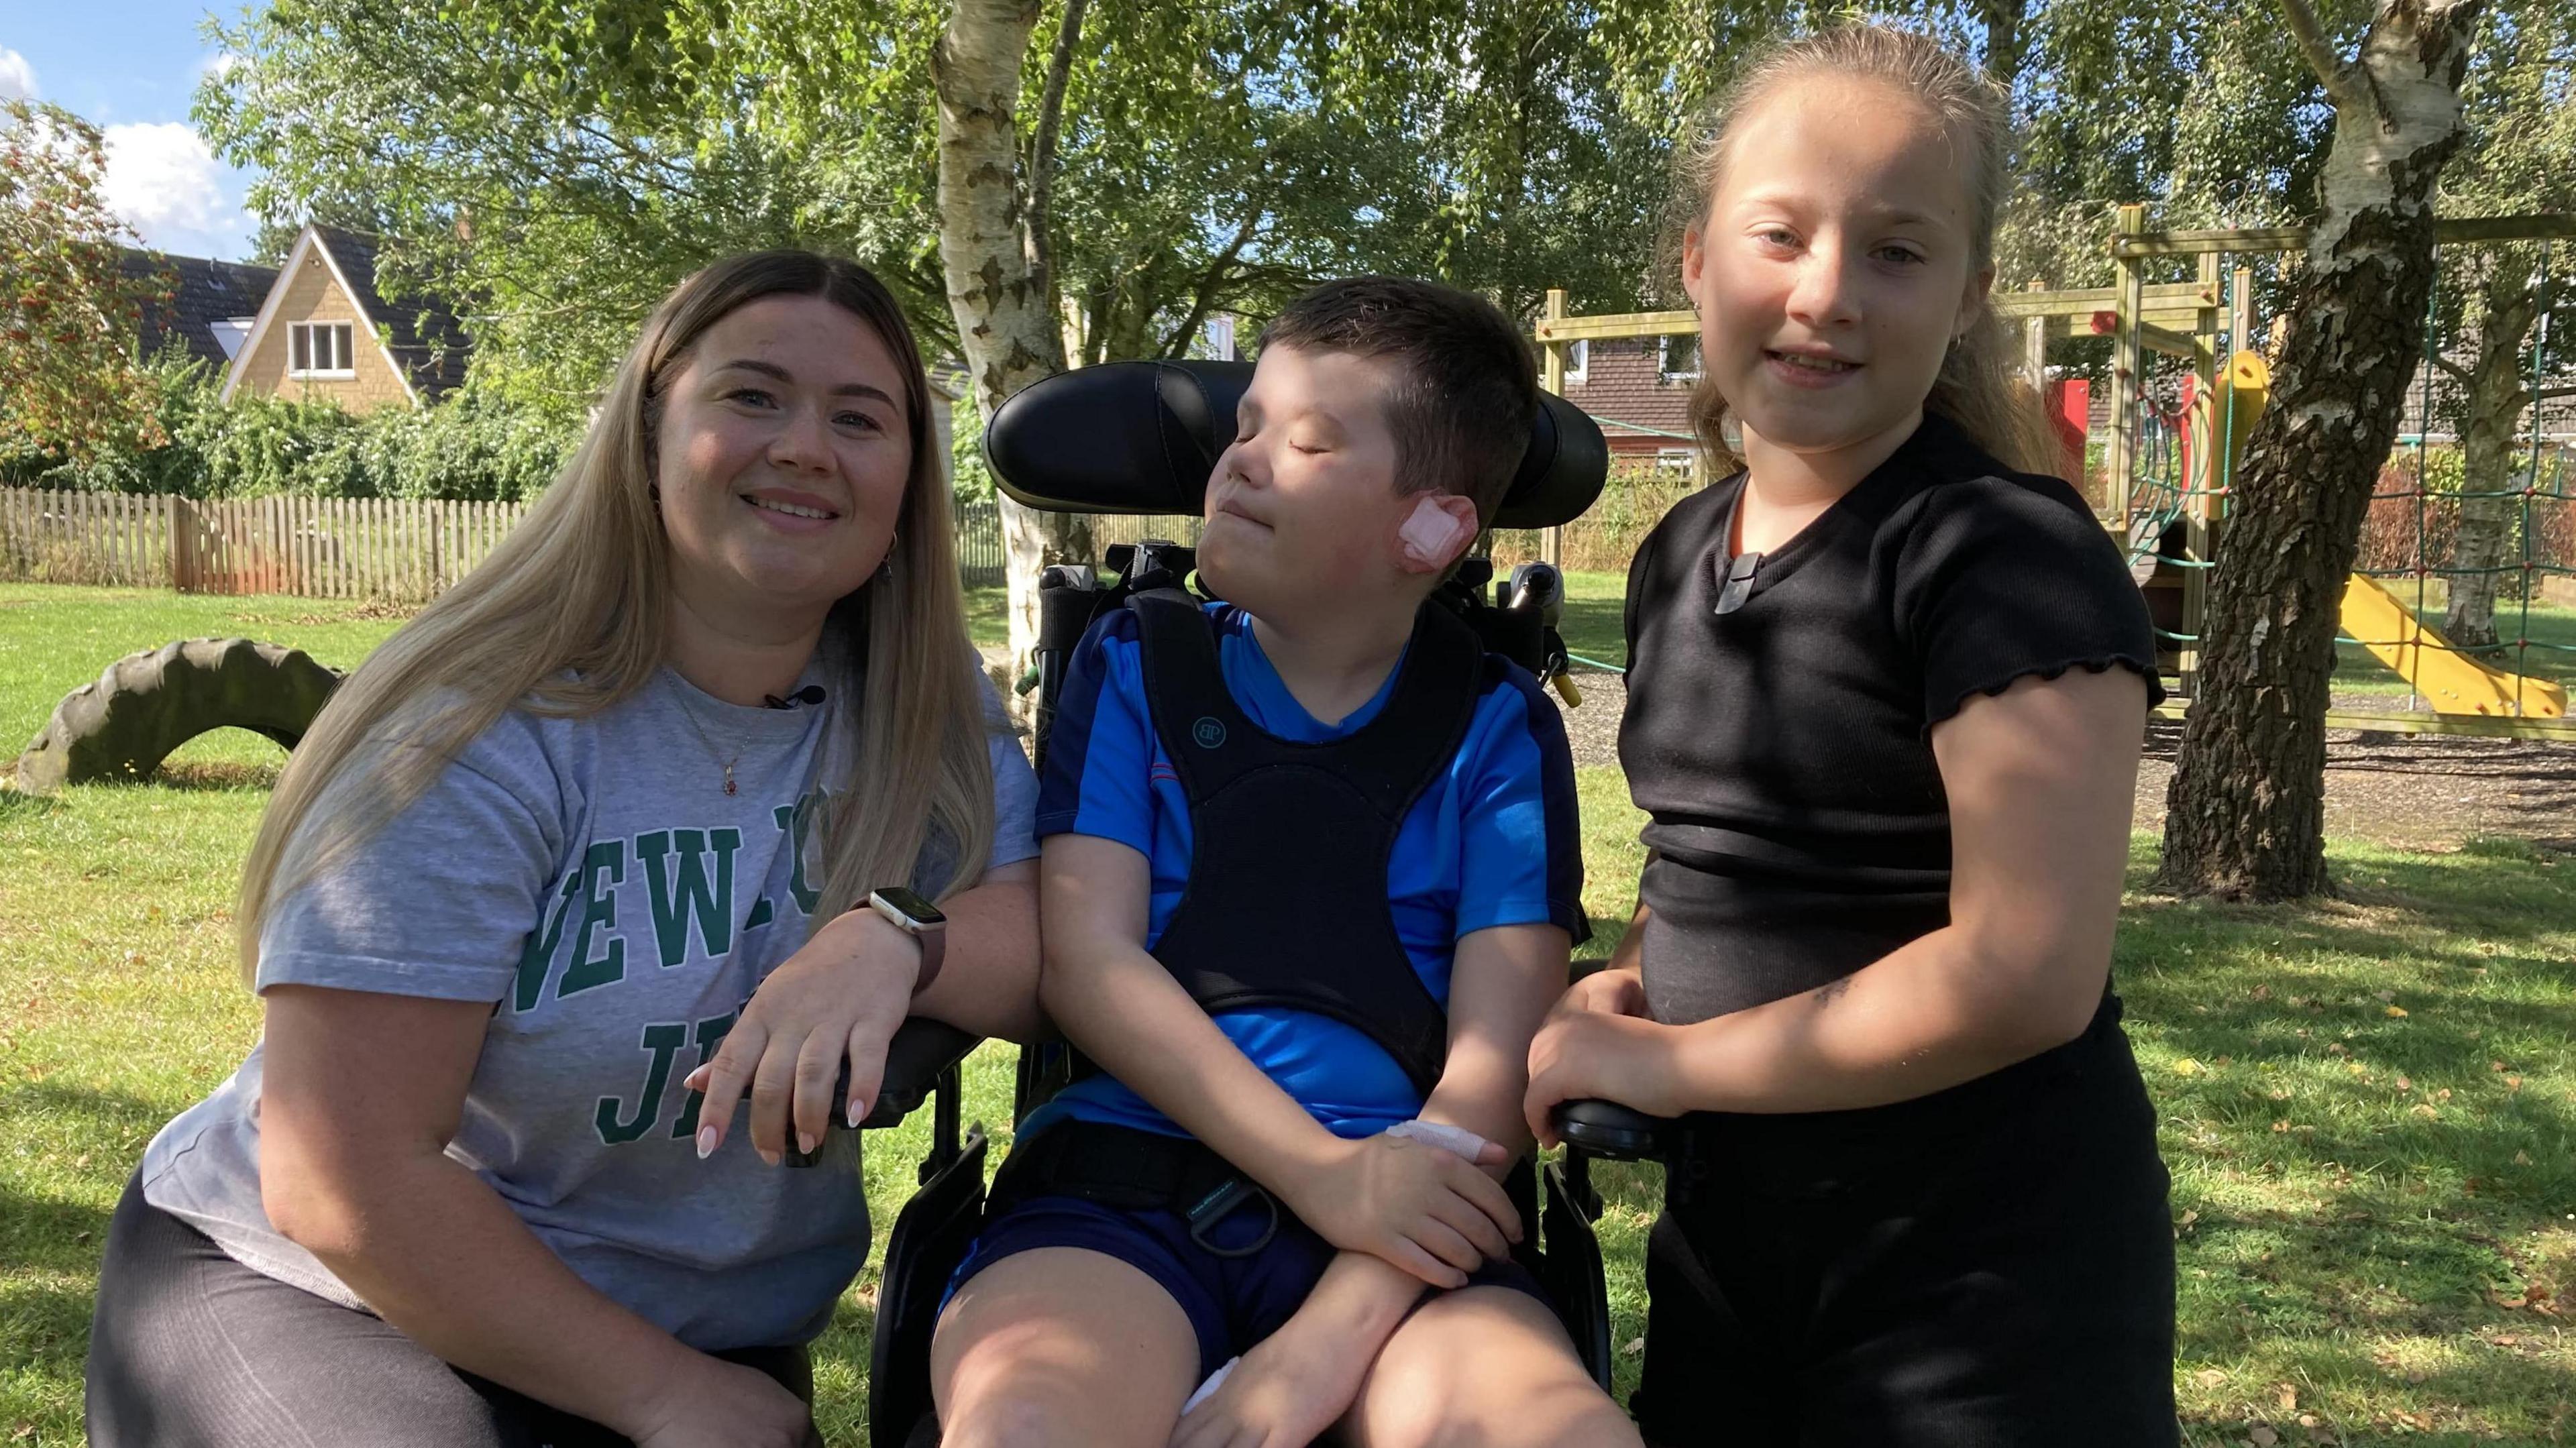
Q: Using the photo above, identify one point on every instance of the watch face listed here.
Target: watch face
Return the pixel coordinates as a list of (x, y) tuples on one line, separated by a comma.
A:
[(911, 905)]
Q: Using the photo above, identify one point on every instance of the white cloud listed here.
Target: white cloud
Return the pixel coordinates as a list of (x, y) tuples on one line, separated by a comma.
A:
[(219, 64), (164, 182), (17, 78)]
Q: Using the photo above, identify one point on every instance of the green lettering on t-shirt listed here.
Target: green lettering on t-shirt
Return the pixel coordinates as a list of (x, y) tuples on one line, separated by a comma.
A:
[(797, 821), (539, 955), (761, 915), (711, 1034), (691, 893), (598, 908), (664, 1041)]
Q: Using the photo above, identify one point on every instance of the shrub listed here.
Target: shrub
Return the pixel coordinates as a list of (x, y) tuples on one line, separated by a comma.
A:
[(466, 447)]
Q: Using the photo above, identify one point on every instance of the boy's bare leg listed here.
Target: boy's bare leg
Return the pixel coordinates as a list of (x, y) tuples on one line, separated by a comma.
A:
[(1483, 1366), (1061, 1346)]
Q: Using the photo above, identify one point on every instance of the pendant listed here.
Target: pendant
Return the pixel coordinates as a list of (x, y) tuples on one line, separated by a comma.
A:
[(728, 779)]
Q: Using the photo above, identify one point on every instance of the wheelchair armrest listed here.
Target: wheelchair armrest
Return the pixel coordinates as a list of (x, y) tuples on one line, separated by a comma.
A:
[(1610, 1130), (920, 1053)]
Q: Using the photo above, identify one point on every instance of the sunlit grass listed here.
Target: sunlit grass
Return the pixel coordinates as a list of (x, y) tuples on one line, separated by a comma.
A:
[(2369, 1106)]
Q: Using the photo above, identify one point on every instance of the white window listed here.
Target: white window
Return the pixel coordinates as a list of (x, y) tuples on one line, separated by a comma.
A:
[(231, 333), (1674, 460), (1680, 358), (321, 349), (1578, 363)]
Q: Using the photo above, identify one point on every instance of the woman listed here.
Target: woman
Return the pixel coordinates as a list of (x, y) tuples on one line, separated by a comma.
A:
[(1887, 686), (513, 897)]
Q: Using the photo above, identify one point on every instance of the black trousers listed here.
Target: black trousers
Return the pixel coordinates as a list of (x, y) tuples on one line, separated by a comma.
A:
[(190, 1349), (1988, 1267)]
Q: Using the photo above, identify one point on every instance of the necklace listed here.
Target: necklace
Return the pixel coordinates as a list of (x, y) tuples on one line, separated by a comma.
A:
[(690, 713)]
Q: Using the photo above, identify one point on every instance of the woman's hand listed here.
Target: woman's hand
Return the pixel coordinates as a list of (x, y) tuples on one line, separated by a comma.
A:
[(842, 996), (1598, 1045), (1424, 1209), (726, 1406)]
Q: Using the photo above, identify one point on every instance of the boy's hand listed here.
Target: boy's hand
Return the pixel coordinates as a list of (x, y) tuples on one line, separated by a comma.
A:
[(1424, 1209), (1284, 1393)]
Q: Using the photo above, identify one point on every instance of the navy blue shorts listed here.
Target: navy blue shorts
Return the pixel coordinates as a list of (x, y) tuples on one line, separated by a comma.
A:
[(1232, 1302)]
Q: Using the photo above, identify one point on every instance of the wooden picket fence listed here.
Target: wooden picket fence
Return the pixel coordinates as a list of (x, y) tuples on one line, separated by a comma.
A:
[(397, 550)]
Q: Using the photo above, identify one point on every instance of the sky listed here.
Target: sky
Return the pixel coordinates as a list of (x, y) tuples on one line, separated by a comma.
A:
[(131, 68)]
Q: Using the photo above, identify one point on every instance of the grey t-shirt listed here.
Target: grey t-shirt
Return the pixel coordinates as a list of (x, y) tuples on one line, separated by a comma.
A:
[(593, 880)]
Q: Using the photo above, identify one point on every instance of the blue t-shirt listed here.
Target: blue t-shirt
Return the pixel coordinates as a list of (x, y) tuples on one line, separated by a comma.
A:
[(1492, 841)]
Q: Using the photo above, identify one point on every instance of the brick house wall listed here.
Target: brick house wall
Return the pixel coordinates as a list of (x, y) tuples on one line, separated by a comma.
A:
[(313, 294), (1623, 382)]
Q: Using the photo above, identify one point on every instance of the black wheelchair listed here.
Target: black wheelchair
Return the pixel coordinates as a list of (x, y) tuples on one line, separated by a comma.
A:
[(1142, 438)]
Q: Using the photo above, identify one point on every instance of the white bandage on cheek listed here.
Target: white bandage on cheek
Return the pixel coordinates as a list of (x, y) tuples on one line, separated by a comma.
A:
[(1433, 533), (1456, 1139)]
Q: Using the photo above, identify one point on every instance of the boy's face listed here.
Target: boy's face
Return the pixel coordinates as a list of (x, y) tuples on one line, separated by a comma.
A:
[(1302, 507)]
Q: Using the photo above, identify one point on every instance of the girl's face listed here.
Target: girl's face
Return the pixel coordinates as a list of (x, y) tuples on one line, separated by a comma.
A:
[(1833, 267), (782, 456)]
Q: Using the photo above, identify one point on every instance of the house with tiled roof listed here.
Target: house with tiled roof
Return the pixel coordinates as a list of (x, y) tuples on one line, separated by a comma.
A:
[(211, 307), (1639, 390), (324, 332)]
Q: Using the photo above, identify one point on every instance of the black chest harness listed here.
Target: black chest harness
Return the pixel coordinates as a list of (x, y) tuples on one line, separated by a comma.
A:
[(1286, 904)]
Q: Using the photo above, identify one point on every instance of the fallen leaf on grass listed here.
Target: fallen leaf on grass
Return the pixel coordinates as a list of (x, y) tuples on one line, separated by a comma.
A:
[(2395, 1013), (2263, 1436), (2209, 1377), (2288, 1397)]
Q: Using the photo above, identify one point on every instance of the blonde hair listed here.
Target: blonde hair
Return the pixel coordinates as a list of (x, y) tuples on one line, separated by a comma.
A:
[(568, 617), (1980, 386)]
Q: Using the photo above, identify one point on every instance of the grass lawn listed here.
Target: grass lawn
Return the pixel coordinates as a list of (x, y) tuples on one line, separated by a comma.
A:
[(2369, 1106)]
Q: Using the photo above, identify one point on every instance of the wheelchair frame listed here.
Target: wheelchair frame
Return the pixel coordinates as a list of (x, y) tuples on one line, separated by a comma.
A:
[(1566, 464)]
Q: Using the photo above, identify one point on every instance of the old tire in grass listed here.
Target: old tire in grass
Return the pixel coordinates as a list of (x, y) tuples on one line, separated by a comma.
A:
[(148, 704)]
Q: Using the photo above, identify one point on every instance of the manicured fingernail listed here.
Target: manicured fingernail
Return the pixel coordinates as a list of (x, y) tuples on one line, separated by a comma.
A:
[(805, 1142), (858, 1113), (707, 1138), (770, 1157)]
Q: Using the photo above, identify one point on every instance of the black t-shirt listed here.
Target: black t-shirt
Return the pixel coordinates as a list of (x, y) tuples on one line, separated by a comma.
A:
[(1782, 750)]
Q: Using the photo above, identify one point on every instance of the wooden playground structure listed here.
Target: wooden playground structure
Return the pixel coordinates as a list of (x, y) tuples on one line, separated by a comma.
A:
[(2168, 470)]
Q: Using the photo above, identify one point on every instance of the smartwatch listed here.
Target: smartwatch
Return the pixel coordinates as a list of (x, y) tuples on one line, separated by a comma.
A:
[(909, 912)]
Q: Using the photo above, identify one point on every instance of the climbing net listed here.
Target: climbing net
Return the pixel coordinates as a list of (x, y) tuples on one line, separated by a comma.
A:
[(2436, 539)]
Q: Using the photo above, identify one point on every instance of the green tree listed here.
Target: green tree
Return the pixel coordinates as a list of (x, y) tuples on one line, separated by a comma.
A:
[(71, 305), (2244, 816), (2520, 158)]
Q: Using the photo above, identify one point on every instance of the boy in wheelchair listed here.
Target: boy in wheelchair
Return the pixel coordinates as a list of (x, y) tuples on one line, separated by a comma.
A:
[(1310, 880)]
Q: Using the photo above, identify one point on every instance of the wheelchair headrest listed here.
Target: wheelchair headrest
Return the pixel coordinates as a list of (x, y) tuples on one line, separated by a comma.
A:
[(1142, 437)]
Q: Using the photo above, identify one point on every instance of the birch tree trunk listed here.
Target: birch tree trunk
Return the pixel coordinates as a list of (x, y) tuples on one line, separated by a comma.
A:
[(2488, 505), (2245, 815), (993, 253)]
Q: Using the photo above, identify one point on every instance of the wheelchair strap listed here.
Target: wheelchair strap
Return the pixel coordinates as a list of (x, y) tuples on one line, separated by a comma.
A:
[(1133, 1171), (1286, 904)]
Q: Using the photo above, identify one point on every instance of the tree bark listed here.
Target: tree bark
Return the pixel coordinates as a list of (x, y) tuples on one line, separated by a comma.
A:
[(995, 264), (2244, 817), (2488, 505)]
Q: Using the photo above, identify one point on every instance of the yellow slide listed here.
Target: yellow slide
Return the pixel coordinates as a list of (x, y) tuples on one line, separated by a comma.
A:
[(2452, 682)]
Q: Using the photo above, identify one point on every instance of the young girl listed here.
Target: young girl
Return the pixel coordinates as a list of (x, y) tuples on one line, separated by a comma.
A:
[(1887, 687)]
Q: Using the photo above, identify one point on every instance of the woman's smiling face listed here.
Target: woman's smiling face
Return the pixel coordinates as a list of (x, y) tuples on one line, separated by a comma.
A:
[(1833, 265), (781, 456)]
